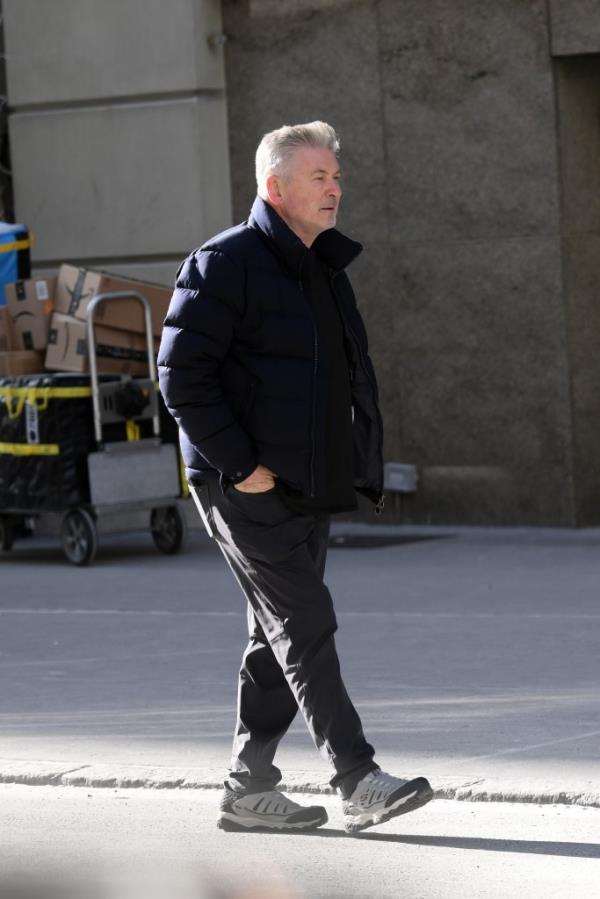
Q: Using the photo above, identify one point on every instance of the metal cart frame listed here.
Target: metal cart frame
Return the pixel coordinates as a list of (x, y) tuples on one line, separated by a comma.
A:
[(125, 477)]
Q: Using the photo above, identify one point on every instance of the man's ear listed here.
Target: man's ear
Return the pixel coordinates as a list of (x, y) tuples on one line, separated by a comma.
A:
[(273, 186)]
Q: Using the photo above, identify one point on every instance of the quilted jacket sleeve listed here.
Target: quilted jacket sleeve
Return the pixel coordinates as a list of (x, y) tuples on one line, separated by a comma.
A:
[(205, 308)]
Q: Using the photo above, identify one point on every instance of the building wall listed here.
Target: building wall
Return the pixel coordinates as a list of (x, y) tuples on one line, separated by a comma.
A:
[(118, 130), (448, 114), (578, 102), (6, 207), (470, 148)]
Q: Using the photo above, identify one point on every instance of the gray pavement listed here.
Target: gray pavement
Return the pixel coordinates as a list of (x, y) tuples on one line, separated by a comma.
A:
[(164, 843), (471, 654)]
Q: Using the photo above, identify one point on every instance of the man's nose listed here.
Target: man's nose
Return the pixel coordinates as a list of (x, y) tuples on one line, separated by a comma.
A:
[(334, 189)]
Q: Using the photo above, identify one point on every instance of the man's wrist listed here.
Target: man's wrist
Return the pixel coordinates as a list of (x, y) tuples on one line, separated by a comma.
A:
[(240, 475)]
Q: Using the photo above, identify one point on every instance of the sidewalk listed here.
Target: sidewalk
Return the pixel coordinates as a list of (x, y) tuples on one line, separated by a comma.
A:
[(471, 654)]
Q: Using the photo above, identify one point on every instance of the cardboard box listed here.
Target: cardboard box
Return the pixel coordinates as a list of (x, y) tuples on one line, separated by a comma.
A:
[(30, 304), (77, 286), (7, 337), (117, 352), (21, 362)]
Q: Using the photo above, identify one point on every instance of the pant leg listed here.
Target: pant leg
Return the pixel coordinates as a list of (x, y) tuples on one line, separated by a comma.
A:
[(318, 543), (266, 708), (278, 559), (262, 686)]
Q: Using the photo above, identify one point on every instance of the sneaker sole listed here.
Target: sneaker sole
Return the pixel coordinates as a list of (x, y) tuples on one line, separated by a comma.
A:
[(235, 824), (421, 799)]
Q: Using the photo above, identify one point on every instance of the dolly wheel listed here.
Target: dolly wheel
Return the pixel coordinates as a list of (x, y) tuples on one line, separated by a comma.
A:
[(7, 534), (79, 537), (168, 529)]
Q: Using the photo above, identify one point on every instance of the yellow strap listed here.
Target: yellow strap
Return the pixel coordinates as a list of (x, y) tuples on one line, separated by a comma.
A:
[(15, 245), (16, 397), (133, 430), (15, 405), (50, 392), (30, 449), (185, 488), (58, 393)]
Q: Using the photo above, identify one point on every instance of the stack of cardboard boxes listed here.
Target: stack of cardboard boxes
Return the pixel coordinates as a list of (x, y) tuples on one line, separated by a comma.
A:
[(43, 325)]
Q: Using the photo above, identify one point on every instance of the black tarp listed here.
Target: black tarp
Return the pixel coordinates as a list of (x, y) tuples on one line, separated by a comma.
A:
[(46, 434)]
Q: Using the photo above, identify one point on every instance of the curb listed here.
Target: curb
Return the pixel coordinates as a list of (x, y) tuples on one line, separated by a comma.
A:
[(163, 778)]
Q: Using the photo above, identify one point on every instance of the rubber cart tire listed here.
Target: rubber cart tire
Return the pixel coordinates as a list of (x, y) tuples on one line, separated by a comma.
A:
[(168, 528), (7, 534), (79, 537)]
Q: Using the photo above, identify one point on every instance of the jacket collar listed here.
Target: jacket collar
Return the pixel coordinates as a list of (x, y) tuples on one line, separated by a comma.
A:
[(331, 246)]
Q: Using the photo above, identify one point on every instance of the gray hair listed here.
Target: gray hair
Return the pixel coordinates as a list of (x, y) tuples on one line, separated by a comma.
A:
[(276, 148)]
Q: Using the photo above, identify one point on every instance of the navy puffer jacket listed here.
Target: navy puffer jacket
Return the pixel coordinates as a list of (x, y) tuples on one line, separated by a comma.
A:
[(239, 358)]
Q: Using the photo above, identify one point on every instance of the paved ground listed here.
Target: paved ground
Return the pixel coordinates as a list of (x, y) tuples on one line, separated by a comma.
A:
[(164, 843), (472, 657)]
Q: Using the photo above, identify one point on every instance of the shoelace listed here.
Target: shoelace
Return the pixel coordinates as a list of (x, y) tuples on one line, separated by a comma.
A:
[(278, 804), (378, 787)]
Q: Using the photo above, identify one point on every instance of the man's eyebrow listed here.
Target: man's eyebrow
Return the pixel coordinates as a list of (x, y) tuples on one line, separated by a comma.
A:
[(324, 172)]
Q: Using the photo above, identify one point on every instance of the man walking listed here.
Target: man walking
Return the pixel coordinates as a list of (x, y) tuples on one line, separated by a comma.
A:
[(264, 364)]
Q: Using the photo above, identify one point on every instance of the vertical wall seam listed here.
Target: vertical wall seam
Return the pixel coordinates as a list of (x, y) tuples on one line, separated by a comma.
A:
[(228, 128), (399, 405), (572, 442)]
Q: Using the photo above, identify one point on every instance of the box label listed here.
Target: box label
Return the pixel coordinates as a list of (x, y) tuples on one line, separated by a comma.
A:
[(41, 290), (120, 352), (32, 423), (77, 294)]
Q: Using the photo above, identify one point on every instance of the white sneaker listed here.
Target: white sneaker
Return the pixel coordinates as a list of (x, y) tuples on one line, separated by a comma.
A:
[(379, 796), (270, 810)]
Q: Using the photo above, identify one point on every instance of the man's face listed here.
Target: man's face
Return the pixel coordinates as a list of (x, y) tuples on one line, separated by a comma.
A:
[(307, 195)]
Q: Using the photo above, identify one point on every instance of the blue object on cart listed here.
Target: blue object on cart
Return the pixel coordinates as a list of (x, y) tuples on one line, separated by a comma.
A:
[(15, 259)]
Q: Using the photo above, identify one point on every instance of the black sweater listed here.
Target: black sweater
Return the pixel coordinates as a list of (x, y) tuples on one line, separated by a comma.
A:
[(335, 418)]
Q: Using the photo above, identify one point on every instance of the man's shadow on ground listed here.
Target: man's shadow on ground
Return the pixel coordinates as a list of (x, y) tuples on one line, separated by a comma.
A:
[(533, 847), (487, 844)]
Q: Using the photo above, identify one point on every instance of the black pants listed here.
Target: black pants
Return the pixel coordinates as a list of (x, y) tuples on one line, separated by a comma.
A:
[(278, 558)]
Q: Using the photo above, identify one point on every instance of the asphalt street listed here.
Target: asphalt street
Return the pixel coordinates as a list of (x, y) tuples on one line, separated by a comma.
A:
[(472, 657), (163, 844)]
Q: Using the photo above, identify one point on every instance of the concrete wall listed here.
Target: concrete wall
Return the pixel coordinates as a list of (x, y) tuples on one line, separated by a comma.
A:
[(6, 202), (119, 130), (575, 27), (470, 147), (446, 113), (578, 90), (575, 44)]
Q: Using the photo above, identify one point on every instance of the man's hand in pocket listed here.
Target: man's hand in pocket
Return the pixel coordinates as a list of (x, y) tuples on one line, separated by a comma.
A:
[(261, 479)]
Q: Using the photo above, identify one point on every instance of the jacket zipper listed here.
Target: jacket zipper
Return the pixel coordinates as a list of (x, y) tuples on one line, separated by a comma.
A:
[(381, 498), (314, 412), (314, 390)]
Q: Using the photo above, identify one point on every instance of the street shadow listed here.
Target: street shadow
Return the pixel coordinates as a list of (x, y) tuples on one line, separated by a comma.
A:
[(528, 847), (112, 549), (531, 847), (376, 541)]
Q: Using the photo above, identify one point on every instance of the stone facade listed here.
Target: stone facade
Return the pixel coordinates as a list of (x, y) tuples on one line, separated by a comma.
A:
[(470, 153), (6, 203), (578, 101), (118, 131), (477, 294)]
